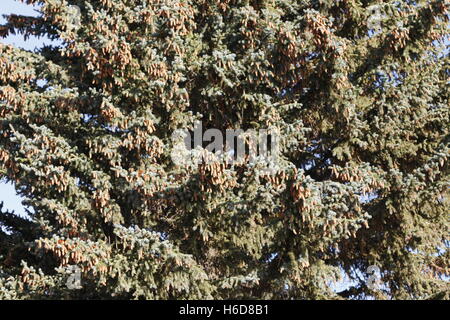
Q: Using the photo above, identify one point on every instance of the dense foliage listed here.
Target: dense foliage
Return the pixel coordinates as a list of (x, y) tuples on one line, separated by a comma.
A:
[(362, 178)]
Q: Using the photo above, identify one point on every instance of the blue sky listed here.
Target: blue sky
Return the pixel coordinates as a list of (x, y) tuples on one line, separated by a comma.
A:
[(7, 191), (12, 6)]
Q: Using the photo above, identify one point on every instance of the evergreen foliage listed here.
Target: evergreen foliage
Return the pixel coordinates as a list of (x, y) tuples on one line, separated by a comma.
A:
[(362, 180)]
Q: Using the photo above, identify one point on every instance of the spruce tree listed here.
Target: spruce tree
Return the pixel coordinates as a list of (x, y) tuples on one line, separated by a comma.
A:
[(357, 89)]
